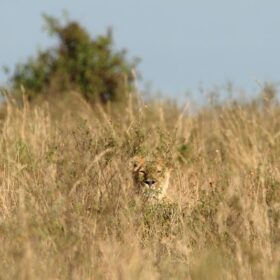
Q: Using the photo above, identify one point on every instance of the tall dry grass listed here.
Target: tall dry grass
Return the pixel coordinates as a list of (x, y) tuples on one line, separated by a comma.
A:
[(67, 210)]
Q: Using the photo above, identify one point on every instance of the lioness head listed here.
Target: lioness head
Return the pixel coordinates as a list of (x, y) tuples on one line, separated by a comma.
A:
[(150, 177)]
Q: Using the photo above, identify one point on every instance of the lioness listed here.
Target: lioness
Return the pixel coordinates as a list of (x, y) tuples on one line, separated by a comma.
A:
[(150, 177)]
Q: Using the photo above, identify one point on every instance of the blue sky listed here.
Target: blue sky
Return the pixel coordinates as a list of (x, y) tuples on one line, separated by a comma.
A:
[(182, 43)]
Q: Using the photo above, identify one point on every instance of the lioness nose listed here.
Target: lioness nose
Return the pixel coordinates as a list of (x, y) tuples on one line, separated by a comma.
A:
[(150, 182)]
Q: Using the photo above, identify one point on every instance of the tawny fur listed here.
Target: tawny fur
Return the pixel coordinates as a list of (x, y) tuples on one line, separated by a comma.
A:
[(150, 177)]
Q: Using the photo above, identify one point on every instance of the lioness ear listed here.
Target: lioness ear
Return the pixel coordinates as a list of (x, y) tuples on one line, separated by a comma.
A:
[(135, 163)]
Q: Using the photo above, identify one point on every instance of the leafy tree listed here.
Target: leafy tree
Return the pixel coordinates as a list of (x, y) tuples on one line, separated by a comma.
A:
[(79, 62)]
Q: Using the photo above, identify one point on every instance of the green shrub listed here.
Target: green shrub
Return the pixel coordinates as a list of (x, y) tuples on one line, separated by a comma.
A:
[(90, 66)]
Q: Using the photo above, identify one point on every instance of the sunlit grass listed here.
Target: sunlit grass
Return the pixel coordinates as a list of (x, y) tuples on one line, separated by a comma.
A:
[(68, 210)]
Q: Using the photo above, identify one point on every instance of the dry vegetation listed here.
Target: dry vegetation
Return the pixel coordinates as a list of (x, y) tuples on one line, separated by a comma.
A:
[(67, 211)]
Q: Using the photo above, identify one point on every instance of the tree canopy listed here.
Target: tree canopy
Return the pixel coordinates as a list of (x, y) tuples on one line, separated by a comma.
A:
[(78, 62)]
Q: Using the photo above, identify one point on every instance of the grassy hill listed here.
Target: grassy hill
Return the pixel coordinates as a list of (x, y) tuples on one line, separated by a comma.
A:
[(67, 210)]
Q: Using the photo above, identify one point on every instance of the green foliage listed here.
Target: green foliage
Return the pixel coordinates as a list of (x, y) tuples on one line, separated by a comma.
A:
[(90, 66)]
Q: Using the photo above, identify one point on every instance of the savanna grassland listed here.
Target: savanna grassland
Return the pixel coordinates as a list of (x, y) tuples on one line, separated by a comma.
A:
[(67, 210)]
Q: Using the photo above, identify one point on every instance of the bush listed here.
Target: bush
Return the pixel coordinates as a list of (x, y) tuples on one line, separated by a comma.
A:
[(90, 66)]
